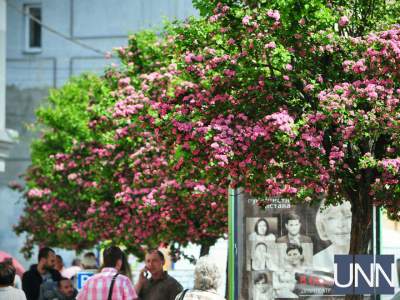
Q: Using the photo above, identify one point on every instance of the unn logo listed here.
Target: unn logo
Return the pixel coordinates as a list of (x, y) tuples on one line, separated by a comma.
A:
[(359, 274)]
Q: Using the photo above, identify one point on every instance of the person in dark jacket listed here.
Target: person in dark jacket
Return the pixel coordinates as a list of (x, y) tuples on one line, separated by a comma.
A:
[(42, 272)]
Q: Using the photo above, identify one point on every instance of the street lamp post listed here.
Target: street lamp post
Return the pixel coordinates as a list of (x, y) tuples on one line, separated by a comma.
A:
[(6, 135)]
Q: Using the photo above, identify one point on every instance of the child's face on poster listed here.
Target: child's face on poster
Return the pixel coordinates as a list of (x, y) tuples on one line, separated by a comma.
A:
[(294, 257)]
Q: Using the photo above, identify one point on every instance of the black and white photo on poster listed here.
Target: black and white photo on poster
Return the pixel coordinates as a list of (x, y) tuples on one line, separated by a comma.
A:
[(333, 224), (261, 285), (294, 245)]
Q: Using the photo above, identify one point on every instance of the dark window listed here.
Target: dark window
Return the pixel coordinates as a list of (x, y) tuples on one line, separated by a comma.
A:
[(34, 30)]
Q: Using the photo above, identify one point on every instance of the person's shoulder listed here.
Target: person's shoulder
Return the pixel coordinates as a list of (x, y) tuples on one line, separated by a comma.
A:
[(16, 293), (199, 294), (305, 239), (124, 278), (32, 269), (172, 280), (55, 274), (282, 239), (169, 277), (31, 273), (19, 293), (96, 276)]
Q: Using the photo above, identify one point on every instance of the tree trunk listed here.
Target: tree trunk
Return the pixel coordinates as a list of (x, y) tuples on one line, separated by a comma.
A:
[(204, 250), (361, 222)]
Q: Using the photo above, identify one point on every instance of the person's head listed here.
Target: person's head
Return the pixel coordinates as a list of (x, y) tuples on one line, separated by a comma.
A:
[(154, 261), (334, 223), (293, 224), (8, 260), (113, 257), (47, 258), (261, 227), (294, 254), (76, 262), (65, 287), (260, 250), (89, 261), (7, 274), (206, 274), (261, 278), (59, 263), (261, 282), (126, 268), (287, 281)]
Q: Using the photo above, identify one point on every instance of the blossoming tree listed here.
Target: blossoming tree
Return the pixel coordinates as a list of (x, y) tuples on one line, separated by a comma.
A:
[(293, 99), (98, 176)]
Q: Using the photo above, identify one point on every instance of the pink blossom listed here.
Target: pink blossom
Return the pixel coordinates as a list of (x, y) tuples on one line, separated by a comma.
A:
[(274, 14), (246, 20), (270, 45), (343, 21), (72, 176), (200, 188), (35, 193), (308, 88)]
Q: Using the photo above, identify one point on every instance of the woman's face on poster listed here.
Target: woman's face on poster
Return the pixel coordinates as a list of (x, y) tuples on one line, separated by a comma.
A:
[(260, 252), (262, 227), (337, 223)]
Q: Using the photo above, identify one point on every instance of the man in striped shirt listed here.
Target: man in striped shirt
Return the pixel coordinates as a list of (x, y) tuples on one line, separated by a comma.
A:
[(98, 286)]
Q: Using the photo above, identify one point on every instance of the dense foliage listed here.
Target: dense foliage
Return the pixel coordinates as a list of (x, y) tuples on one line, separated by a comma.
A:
[(293, 99)]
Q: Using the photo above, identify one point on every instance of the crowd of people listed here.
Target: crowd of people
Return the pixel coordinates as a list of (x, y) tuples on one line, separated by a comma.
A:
[(49, 279)]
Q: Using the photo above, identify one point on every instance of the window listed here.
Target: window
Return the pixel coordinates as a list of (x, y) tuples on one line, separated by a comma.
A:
[(33, 30)]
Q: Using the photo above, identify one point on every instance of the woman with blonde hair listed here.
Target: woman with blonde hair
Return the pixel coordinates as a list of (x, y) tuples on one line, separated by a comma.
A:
[(333, 224), (206, 281)]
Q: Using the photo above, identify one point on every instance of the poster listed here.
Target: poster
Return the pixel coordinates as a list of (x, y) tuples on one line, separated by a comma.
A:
[(286, 251)]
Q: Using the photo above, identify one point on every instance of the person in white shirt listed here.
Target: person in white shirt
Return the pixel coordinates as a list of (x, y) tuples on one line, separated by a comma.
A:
[(7, 290)]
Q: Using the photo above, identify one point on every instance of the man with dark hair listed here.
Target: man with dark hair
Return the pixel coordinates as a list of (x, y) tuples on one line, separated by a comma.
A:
[(109, 280), (62, 290), (43, 272), (292, 225), (7, 291), (160, 285), (65, 290)]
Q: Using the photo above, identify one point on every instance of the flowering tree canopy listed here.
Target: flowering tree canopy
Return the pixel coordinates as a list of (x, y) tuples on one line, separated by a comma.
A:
[(293, 99), (97, 175), (250, 96)]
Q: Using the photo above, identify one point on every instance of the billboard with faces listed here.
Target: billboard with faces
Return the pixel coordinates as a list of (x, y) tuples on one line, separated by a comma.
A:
[(286, 251)]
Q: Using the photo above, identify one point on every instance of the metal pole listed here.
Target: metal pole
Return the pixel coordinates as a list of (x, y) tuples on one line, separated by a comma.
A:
[(374, 245), (3, 40)]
